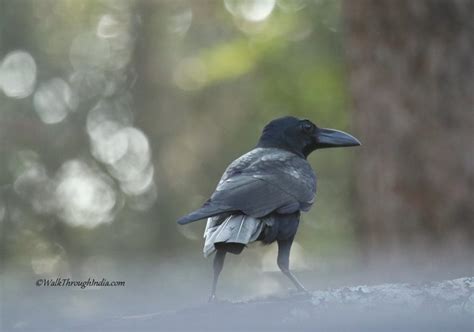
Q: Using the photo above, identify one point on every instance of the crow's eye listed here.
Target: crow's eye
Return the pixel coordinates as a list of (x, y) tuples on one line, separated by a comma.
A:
[(307, 127)]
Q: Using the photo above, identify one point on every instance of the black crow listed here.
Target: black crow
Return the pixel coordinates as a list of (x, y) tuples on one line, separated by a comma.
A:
[(261, 194)]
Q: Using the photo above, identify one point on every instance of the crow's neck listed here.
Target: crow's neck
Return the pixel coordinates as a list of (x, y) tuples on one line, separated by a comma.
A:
[(270, 142)]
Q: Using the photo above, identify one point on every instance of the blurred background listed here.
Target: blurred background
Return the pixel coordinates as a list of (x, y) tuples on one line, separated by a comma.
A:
[(119, 116)]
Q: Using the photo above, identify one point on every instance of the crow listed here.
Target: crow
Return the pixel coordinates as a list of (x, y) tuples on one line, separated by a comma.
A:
[(261, 194)]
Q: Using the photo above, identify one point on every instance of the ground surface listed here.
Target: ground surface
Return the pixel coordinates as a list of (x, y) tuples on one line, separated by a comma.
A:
[(172, 296), (435, 306)]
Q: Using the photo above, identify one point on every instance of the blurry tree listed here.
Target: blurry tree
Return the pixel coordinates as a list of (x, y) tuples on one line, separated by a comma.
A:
[(412, 83)]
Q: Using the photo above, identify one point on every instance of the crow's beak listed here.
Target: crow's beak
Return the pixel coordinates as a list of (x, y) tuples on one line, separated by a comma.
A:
[(331, 138)]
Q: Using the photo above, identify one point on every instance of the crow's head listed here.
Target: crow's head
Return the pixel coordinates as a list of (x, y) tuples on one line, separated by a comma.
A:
[(302, 136)]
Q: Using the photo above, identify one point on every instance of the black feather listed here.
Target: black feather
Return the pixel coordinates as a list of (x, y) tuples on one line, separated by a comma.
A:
[(260, 182), (279, 227), (207, 210)]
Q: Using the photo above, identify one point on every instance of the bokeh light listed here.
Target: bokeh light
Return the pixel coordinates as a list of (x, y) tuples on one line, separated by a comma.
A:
[(124, 149), (32, 182), (53, 100), (251, 10), (86, 197), (49, 260), (180, 18), (18, 74), (134, 169), (109, 143), (109, 27)]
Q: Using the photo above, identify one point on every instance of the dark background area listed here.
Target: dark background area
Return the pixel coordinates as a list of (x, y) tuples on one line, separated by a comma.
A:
[(118, 117)]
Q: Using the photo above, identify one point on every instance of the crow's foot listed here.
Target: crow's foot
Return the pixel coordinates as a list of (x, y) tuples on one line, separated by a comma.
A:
[(212, 298)]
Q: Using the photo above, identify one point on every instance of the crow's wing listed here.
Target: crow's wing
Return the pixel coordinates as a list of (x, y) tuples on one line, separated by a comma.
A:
[(253, 195), (260, 182)]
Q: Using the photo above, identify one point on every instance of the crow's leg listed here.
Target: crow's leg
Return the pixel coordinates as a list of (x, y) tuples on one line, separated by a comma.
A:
[(284, 262), (218, 265)]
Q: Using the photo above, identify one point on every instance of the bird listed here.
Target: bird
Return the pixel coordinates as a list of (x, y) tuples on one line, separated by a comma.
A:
[(261, 194)]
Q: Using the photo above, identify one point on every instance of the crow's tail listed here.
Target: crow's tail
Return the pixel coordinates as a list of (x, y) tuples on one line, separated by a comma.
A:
[(206, 211)]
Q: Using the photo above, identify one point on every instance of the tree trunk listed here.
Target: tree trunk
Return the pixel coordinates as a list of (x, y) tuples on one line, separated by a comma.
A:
[(412, 84)]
